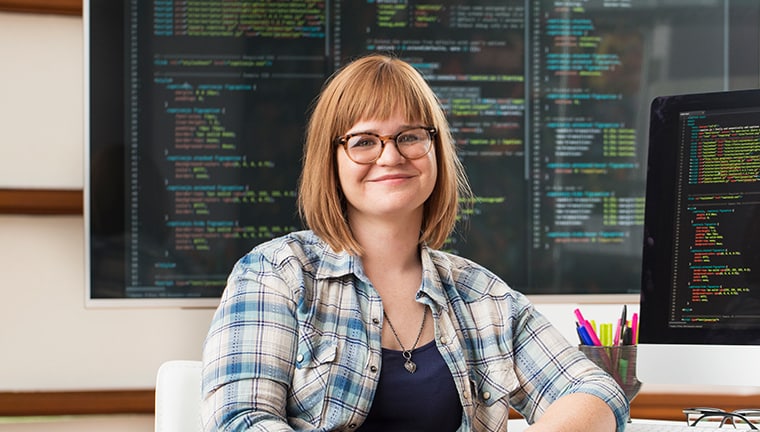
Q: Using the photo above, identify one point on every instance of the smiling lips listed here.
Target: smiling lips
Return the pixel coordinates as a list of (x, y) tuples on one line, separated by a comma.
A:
[(391, 177)]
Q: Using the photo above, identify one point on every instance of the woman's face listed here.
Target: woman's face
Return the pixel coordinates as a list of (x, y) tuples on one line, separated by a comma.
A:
[(392, 186)]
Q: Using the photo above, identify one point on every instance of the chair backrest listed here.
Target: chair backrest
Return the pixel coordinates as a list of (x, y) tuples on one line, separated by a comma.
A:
[(178, 396)]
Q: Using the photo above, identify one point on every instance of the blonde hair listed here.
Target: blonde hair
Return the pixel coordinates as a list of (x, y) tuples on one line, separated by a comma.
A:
[(375, 87)]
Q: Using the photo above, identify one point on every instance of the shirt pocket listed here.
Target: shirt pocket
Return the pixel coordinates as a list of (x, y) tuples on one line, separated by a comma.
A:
[(314, 360), (492, 383), (491, 387)]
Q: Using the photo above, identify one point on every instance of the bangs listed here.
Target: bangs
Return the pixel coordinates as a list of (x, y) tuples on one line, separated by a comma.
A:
[(384, 91)]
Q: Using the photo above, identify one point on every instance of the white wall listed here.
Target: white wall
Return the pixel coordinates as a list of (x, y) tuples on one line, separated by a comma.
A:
[(49, 340), (54, 342), (41, 101)]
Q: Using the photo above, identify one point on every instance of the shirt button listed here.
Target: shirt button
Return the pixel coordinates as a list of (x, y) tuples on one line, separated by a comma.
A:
[(375, 321), (299, 358), (466, 395), (352, 426), (444, 340), (486, 395), (373, 368)]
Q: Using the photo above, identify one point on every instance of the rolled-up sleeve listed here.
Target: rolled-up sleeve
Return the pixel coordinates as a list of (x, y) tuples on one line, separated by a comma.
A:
[(549, 367)]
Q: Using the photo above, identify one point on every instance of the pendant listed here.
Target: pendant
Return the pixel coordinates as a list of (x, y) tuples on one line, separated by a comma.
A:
[(410, 366)]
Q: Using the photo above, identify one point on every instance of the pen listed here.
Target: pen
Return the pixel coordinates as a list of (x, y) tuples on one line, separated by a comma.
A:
[(580, 335), (635, 329), (583, 335), (627, 338), (610, 336), (606, 330), (620, 326), (585, 324), (623, 370)]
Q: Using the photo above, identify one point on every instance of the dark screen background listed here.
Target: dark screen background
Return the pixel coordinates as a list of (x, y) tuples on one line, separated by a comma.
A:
[(197, 115)]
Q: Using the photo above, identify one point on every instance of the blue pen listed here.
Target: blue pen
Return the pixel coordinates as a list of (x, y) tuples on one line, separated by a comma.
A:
[(580, 335), (583, 335)]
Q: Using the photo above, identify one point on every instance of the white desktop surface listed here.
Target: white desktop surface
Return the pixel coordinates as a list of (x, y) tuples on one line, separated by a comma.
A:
[(519, 425)]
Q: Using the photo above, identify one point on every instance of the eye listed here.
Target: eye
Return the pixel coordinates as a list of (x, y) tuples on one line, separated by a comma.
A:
[(411, 137), (361, 141)]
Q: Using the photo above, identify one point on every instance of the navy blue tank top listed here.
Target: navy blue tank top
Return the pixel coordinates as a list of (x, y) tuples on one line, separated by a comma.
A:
[(426, 400)]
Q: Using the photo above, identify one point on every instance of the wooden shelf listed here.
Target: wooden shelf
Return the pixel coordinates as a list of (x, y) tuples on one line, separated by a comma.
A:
[(661, 406), (41, 201), (77, 403), (665, 406), (60, 7)]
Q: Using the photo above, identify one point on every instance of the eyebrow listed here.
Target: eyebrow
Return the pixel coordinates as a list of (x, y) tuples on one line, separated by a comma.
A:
[(375, 131)]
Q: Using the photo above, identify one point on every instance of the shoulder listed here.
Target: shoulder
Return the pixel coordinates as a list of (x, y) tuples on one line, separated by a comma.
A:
[(471, 280), (299, 245), (300, 252), (283, 266), (288, 256)]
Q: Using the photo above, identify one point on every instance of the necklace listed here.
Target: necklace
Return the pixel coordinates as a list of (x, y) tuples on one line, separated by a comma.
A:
[(409, 365)]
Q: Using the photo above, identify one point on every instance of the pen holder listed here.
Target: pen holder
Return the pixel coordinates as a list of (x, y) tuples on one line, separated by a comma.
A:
[(618, 361)]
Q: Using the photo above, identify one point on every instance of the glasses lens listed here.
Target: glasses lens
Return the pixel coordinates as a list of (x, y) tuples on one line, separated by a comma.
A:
[(413, 143), (363, 148), (366, 148)]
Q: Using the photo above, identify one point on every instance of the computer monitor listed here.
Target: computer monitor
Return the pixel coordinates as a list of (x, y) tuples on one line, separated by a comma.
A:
[(700, 296)]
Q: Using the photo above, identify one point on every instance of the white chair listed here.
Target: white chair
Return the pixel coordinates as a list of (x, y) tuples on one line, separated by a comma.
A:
[(178, 396)]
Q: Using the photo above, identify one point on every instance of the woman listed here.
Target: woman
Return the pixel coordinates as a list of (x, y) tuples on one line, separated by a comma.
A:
[(361, 323)]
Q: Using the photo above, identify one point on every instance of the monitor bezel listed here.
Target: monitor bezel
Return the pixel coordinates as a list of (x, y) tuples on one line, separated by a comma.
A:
[(660, 213)]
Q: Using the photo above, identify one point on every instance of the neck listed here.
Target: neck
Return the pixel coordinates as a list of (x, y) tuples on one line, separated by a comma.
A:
[(388, 244), (392, 262)]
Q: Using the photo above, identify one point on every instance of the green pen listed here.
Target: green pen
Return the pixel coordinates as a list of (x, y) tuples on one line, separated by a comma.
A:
[(623, 369)]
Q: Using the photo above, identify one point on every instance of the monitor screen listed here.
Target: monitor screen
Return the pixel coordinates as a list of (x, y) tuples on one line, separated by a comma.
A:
[(700, 296), (196, 114)]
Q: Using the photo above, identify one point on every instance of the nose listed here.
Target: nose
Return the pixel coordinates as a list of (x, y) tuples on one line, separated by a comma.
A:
[(390, 154)]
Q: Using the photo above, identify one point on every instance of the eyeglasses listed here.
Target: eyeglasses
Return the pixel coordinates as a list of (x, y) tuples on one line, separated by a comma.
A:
[(366, 147), (716, 416)]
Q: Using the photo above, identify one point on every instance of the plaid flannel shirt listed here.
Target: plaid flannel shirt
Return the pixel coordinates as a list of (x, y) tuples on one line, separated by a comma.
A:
[(295, 343)]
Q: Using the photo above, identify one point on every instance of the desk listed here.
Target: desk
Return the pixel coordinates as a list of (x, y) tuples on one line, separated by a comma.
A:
[(519, 425)]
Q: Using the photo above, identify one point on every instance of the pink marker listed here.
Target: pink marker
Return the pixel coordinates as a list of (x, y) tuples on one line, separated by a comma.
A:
[(587, 325)]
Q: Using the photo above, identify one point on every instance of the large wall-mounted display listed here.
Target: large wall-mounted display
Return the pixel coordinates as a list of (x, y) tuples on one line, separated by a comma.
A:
[(196, 113)]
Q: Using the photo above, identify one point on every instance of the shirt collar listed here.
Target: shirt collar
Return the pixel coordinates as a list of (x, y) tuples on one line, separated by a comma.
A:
[(337, 264), (432, 286)]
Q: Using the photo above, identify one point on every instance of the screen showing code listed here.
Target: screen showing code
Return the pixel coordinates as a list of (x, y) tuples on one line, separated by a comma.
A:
[(198, 112), (717, 251)]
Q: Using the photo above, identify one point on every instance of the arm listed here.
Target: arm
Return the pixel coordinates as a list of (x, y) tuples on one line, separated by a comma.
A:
[(559, 386), (249, 351), (576, 412)]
